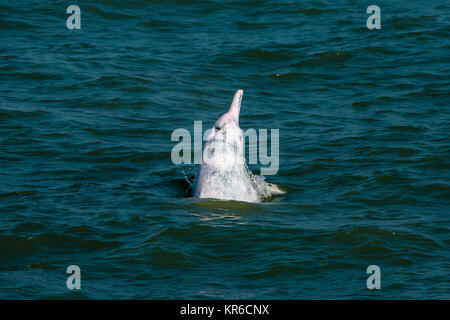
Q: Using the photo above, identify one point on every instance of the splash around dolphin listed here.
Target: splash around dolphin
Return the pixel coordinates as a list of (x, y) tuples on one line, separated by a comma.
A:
[(223, 173)]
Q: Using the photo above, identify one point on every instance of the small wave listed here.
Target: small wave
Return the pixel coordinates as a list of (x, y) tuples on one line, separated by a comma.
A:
[(162, 24), (35, 76), (16, 25), (262, 54), (110, 15), (23, 193), (325, 58), (407, 128), (278, 270)]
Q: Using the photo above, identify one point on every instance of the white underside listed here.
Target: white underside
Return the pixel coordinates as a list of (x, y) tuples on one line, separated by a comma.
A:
[(234, 184)]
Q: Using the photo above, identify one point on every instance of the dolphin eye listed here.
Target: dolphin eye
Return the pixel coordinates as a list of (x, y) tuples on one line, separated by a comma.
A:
[(217, 128)]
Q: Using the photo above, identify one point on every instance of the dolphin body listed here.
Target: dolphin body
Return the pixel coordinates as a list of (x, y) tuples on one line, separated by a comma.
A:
[(223, 173)]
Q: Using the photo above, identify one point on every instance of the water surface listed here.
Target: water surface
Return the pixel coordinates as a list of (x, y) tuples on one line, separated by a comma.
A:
[(86, 175)]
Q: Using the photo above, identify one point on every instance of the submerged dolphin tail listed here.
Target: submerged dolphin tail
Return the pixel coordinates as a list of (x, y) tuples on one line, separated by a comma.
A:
[(235, 107)]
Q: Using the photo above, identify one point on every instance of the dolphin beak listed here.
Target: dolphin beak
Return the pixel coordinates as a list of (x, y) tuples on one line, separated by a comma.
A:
[(235, 107)]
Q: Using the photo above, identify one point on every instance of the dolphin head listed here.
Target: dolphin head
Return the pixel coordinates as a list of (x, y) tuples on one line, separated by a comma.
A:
[(233, 112), (224, 144)]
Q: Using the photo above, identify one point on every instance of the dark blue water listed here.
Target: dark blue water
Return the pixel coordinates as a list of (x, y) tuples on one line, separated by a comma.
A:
[(86, 175)]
